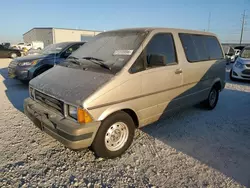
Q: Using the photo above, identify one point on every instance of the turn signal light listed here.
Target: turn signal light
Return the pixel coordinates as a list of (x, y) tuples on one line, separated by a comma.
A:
[(34, 62), (83, 116)]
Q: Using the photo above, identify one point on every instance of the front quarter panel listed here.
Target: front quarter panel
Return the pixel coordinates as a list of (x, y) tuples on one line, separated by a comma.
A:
[(118, 94)]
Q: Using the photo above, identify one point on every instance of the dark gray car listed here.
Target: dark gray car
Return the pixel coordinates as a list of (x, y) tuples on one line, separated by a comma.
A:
[(26, 68)]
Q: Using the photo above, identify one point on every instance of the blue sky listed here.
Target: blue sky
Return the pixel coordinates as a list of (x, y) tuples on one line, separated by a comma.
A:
[(226, 15)]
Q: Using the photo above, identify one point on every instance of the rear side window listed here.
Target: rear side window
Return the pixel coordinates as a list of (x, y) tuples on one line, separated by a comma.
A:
[(200, 47), (189, 47), (199, 44), (213, 47)]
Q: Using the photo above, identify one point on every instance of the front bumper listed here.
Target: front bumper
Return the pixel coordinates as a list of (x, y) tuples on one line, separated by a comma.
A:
[(72, 134), (237, 73), (20, 73)]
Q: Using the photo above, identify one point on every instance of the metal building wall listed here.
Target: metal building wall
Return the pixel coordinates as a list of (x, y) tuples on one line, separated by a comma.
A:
[(44, 34), (63, 35)]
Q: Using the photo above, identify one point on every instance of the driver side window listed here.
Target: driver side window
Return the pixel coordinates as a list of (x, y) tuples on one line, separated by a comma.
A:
[(160, 51)]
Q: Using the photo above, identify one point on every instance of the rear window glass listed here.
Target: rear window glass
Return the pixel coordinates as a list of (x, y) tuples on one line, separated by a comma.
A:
[(200, 47), (213, 47)]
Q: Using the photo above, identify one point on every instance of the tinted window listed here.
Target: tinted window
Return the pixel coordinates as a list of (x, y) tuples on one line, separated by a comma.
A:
[(201, 51), (162, 45), (139, 65), (189, 47), (213, 47), (200, 47), (74, 47)]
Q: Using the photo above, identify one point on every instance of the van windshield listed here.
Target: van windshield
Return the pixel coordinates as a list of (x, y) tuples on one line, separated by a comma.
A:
[(114, 49)]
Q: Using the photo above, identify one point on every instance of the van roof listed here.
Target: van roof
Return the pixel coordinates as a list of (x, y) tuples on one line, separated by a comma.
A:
[(159, 29)]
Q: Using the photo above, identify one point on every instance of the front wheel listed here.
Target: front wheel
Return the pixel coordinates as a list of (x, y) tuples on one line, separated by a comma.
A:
[(114, 136), (13, 55), (212, 100)]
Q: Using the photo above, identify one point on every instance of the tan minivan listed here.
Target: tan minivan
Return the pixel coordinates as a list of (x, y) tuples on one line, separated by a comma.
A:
[(122, 80)]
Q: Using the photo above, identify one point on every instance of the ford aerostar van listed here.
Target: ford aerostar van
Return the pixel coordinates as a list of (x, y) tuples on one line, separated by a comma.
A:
[(122, 80)]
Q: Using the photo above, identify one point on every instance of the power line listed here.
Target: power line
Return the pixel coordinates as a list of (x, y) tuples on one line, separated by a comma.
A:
[(209, 19), (242, 26)]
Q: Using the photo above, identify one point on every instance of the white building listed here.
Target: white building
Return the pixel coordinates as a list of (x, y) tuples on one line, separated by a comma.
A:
[(50, 35)]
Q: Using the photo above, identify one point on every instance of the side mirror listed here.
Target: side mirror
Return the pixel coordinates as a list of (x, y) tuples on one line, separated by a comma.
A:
[(156, 60)]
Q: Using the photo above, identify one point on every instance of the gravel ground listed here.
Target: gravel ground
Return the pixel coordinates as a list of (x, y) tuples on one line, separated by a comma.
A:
[(192, 148)]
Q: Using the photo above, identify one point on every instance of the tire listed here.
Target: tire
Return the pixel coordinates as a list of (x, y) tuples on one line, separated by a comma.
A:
[(212, 100), (231, 76), (114, 136), (13, 55)]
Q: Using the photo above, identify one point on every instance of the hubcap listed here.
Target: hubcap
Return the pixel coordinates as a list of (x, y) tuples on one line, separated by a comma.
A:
[(13, 55), (116, 136), (212, 97)]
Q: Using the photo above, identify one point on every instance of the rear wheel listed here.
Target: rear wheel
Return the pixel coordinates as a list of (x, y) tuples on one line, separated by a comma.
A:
[(211, 102), (114, 136), (13, 55)]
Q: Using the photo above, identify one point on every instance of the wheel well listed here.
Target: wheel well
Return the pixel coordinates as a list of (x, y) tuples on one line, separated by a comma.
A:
[(217, 85), (133, 115)]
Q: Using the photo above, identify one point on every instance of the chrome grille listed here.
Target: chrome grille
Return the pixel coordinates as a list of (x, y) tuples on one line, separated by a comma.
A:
[(13, 64), (49, 101)]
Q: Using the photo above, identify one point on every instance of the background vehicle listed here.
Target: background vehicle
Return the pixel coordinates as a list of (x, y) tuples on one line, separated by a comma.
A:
[(33, 52), (22, 46), (6, 44), (33, 45), (9, 53), (26, 68), (122, 80), (37, 45), (229, 53), (241, 67)]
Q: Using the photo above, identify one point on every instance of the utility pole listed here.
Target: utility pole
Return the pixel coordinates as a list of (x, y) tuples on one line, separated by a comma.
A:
[(242, 26), (208, 24)]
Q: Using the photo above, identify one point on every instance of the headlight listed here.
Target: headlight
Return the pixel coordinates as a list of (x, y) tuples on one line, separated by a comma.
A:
[(81, 115), (239, 65), (24, 64), (28, 63), (31, 91), (73, 112)]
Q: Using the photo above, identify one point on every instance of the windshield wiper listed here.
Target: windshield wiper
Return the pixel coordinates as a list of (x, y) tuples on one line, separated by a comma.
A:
[(98, 62), (74, 60)]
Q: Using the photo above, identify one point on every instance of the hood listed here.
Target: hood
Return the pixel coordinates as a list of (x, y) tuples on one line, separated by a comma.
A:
[(69, 85), (243, 60), (33, 57)]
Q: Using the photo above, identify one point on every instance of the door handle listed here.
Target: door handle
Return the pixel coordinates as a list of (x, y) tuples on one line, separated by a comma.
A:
[(178, 71)]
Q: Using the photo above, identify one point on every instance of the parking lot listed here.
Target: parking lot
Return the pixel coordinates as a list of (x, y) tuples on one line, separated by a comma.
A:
[(192, 148)]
